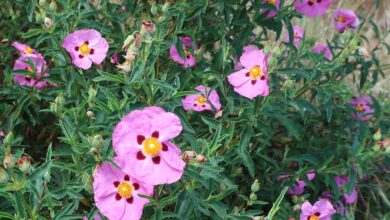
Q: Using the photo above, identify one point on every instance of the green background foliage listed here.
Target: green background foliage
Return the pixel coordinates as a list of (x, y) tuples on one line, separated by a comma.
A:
[(304, 124)]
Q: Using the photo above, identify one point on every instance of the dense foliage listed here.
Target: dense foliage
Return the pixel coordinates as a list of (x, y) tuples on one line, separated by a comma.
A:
[(234, 157)]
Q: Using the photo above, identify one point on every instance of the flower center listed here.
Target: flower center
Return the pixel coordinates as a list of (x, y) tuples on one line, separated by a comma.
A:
[(125, 189), (314, 217), (201, 100), (152, 146), (255, 72), (340, 19), (28, 50), (187, 53), (272, 2), (359, 107), (84, 49)]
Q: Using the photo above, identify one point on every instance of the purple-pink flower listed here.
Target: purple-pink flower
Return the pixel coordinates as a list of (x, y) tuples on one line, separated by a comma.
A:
[(37, 72), (298, 35), (251, 81), (86, 46), (189, 60), (117, 193), (321, 210), (271, 12), (345, 19), (341, 182), (322, 49), (142, 143), (25, 50), (299, 186), (207, 99), (312, 8), (363, 108), (236, 61)]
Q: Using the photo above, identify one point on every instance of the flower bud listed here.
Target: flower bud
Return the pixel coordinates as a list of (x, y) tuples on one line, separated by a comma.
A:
[(53, 5), (200, 158), (97, 141), (59, 100), (9, 160), (218, 114), (377, 135), (8, 139), (3, 175), (252, 197), (188, 155), (91, 115), (165, 8), (48, 22), (376, 147), (387, 150), (24, 164), (153, 9), (42, 3), (255, 186)]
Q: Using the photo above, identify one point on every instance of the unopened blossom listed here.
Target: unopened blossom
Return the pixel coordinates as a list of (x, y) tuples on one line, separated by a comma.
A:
[(207, 99), (343, 181), (321, 210), (363, 108), (298, 35), (117, 194), (271, 12), (252, 80), (189, 59), (24, 164), (322, 49), (299, 185), (142, 142), (86, 46), (37, 72), (345, 19), (312, 8)]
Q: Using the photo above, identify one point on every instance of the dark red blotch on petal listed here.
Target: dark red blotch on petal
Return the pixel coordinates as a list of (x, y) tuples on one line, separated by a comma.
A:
[(164, 147), (116, 183), (140, 155), (156, 160), (140, 139), (130, 200), (253, 82), (127, 178), (155, 134), (136, 186), (118, 197)]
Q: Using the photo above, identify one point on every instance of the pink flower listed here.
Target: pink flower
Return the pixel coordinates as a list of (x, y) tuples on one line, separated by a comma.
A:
[(252, 80), (322, 49), (298, 35), (271, 13), (86, 46), (189, 60), (25, 50), (349, 198), (299, 186), (97, 217), (36, 74), (142, 142), (203, 101), (312, 8), (246, 49), (363, 108), (117, 194), (321, 210), (345, 19), (2, 133)]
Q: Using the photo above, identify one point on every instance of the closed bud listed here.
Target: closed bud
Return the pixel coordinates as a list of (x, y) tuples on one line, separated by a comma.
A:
[(377, 135), (200, 158), (255, 186), (252, 197), (376, 147), (42, 3), (48, 22), (153, 9), (53, 5), (91, 115), (3, 175), (24, 164), (8, 139), (387, 150), (188, 155), (9, 160), (97, 141), (39, 18), (59, 100), (165, 8)]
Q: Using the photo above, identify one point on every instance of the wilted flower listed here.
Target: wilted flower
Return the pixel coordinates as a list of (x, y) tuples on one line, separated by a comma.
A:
[(322, 49), (321, 210), (345, 19), (9, 160), (24, 164), (312, 8), (48, 22), (298, 35), (200, 158), (349, 198), (271, 12), (86, 46), (363, 108), (188, 155), (252, 80), (189, 59), (142, 142), (206, 100), (91, 115), (117, 194)]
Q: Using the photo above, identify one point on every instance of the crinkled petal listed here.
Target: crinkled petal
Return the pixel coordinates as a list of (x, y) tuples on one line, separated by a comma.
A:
[(100, 51), (239, 78), (252, 58)]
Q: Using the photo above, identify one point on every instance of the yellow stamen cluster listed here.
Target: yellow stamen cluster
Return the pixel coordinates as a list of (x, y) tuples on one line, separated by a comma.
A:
[(125, 189), (84, 49), (152, 146), (255, 72)]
